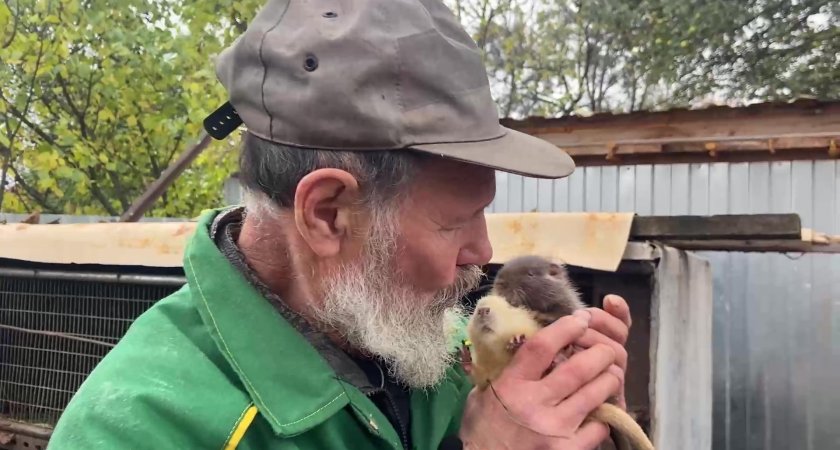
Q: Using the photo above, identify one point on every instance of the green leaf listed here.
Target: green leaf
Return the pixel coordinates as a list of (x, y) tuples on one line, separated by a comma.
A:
[(105, 115)]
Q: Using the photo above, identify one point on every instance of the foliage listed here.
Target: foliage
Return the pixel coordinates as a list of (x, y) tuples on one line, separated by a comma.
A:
[(98, 97), (557, 57)]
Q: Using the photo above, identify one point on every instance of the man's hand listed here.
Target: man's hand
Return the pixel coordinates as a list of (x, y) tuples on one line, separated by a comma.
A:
[(531, 407), (610, 326)]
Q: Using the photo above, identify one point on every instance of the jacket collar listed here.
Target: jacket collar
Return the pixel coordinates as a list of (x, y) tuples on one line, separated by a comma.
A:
[(288, 380)]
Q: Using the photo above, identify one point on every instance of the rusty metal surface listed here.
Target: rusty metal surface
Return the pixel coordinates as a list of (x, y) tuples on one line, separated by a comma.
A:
[(145, 201)]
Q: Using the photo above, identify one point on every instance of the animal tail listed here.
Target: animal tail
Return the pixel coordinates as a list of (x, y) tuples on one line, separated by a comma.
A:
[(620, 421)]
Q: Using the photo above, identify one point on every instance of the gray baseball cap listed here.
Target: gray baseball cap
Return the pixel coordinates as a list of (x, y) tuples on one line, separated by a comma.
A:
[(371, 75)]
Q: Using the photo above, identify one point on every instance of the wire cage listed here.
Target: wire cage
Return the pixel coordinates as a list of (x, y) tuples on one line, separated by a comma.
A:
[(55, 327)]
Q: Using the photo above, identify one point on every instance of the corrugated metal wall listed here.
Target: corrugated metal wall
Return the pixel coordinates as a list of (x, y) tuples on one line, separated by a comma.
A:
[(777, 317)]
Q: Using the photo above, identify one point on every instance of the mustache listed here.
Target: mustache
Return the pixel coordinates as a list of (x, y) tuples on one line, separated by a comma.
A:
[(467, 280)]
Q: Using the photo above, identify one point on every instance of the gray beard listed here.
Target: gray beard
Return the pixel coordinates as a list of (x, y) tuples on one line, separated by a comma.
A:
[(377, 312)]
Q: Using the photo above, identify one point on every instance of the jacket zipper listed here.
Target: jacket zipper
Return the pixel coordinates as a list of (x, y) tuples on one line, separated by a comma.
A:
[(401, 426), (402, 431)]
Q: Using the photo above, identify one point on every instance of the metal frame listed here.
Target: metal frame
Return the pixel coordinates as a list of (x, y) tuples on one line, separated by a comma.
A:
[(103, 277)]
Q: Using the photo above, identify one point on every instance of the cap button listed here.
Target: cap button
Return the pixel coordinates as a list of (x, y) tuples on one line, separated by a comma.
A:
[(310, 63)]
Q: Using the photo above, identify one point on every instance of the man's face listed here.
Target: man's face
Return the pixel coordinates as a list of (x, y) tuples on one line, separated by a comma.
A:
[(399, 298)]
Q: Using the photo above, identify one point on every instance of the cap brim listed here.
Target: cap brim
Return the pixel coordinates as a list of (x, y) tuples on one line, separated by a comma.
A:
[(514, 152)]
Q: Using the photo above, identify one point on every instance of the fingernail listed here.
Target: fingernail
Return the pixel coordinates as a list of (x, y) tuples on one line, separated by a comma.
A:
[(615, 370), (583, 315)]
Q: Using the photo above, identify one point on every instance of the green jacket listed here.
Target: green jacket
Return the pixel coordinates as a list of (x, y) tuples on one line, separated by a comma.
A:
[(215, 366)]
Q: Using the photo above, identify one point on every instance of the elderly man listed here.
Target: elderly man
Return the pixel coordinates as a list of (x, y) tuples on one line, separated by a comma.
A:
[(325, 313)]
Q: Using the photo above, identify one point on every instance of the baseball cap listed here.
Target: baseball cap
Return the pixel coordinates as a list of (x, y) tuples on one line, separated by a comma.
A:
[(371, 75)]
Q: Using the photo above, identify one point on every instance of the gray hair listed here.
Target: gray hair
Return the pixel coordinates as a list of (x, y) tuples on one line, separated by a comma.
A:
[(272, 171)]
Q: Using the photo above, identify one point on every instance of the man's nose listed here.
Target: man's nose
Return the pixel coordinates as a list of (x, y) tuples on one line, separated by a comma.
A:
[(478, 250)]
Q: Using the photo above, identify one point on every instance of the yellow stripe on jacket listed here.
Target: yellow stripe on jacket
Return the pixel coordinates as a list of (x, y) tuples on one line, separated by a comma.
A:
[(241, 427)]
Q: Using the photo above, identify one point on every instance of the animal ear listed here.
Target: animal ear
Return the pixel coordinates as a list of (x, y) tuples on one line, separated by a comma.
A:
[(554, 270)]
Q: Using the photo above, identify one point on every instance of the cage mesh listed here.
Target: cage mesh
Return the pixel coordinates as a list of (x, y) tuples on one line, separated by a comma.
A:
[(39, 374)]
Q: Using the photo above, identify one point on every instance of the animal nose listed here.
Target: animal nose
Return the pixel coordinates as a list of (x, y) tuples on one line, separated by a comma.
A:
[(483, 311)]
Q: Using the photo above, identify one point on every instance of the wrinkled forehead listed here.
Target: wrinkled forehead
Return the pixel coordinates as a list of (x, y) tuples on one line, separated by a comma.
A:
[(467, 174), (457, 180)]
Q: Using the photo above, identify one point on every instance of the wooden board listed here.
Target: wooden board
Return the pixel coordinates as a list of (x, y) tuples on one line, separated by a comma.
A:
[(804, 129)]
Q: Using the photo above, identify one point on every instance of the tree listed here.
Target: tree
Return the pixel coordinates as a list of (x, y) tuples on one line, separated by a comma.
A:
[(558, 57), (98, 97)]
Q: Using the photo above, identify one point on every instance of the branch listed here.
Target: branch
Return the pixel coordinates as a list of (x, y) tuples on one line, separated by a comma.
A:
[(89, 93), (36, 129), (100, 197), (22, 200), (483, 40), (152, 160), (51, 140), (76, 112), (39, 198), (14, 28), (511, 92), (13, 134), (120, 190), (178, 140), (7, 162)]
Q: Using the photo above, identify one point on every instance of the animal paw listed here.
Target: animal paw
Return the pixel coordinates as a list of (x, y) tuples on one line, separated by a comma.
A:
[(516, 342)]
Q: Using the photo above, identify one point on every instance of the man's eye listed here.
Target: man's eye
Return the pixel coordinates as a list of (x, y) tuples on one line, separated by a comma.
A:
[(453, 227)]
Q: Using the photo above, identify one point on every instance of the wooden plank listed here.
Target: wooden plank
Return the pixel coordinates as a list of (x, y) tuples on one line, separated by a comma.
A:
[(717, 227), (770, 131), (754, 246), (25, 429), (599, 158)]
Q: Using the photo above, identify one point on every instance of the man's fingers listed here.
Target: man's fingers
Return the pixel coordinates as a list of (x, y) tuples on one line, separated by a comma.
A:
[(591, 434), (609, 325), (537, 353), (619, 308), (592, 337), (593, 394), (578, 370)]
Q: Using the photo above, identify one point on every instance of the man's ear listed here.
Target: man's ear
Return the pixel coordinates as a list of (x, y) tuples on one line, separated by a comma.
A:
[(324, 204)]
